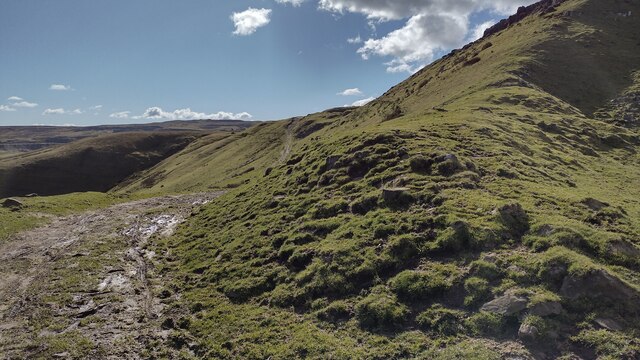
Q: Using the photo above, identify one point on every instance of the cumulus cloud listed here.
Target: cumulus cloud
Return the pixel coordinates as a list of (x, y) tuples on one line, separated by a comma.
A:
[(187, 114), (120, 115), (24, 104), (14, 98), (248, 21), (6, 108), (363, 101), (351, 92), (431, 26), (59, 87), (292, 2), (61, 111), (432, 32)]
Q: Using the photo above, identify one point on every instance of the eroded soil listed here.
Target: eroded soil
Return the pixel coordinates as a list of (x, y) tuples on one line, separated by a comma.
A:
[(85, 285)]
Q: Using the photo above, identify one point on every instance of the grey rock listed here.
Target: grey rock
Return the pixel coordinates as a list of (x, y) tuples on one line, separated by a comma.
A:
[(546, 308), (623, 248), (528, 332), (12, 203), (608, 324), (507, 304), (596, 283)]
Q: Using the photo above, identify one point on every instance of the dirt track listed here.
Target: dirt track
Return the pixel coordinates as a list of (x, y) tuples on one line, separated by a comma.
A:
[(88, 274)]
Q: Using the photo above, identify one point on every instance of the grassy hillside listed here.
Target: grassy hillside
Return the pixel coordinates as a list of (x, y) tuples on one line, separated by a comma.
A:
[(476, 210), (15, 139), (94, 164)]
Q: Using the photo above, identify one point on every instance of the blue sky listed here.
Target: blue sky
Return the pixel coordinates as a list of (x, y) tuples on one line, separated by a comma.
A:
[(90, 62)]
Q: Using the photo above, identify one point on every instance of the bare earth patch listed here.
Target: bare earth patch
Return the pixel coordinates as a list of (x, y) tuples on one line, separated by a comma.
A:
[(84, 285)]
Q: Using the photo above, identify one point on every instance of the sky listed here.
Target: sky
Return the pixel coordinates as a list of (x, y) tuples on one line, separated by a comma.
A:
[(88, 62)]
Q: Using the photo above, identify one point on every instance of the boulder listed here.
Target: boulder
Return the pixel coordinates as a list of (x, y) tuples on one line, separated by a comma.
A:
[(507, 304), (596, 283), (608, 324), (528, 332), (623, 248), (12, 203), (546, 308)]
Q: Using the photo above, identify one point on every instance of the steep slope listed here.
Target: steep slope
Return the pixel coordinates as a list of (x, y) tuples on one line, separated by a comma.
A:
[(476, 210), (94, 164)]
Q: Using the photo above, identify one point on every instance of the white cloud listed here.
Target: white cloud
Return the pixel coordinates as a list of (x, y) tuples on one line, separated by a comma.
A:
[(355, 40), (15, 98), (61, 125), (363, 102), (187, 114), (432, 26), (248, 21), (96, 107), (351, 92), (292, 2), (479, 30), (6, 108), (24, 104), (61, 111), (59, 87), (58, 111), (120, 115), (434, 32)]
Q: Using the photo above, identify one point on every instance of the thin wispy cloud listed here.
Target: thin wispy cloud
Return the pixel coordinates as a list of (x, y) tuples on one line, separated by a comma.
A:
[(60, 87), (24, 104), (351, 92), (61, 111), (6, 108), (14, 98), (291, 2), (248, 21), (355, 40), (120, 115)]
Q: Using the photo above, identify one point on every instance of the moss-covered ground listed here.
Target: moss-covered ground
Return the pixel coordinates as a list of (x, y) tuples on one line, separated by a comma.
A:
[(398, 229), (384, 230)]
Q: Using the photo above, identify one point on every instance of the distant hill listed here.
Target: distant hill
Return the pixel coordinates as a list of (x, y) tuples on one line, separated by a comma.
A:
[(92, 164), (27, 138)]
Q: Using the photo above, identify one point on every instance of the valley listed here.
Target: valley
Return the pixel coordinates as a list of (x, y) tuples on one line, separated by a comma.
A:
[(488, 207)]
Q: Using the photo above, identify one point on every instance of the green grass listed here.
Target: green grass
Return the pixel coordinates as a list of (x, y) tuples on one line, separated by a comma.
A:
[(492, 172), (39, 210), (378, 233)]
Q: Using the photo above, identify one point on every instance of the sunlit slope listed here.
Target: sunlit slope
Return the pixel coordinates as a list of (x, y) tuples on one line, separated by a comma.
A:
[(476, 210), (215, 163)]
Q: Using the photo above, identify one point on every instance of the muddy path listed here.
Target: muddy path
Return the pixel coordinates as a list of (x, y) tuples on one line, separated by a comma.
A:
[(85, 285)]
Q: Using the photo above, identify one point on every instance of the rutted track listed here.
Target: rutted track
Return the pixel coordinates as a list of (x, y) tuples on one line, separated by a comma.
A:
[(88, 274)]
